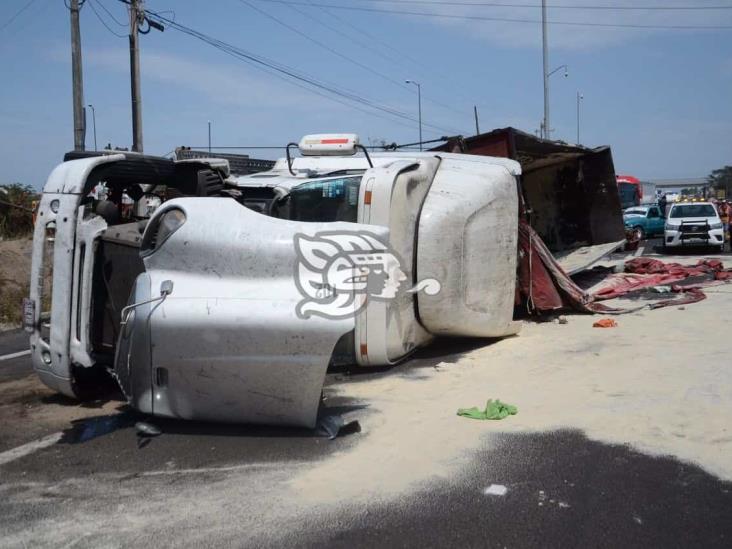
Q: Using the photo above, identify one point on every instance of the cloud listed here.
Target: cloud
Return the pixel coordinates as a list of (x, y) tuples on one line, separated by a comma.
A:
[(571, 37), (230, 85), (237, 87)]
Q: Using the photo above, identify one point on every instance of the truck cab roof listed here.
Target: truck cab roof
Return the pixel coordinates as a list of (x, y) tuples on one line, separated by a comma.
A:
[(308, 168)]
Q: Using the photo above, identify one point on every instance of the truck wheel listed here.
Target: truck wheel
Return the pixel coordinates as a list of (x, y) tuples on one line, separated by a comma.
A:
[(640, 233)]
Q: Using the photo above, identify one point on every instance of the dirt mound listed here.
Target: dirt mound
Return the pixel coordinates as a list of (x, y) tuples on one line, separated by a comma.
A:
[(15, 264)]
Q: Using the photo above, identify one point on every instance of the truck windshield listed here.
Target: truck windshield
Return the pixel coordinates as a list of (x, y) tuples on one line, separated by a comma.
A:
[(325, 200), (693, 210)]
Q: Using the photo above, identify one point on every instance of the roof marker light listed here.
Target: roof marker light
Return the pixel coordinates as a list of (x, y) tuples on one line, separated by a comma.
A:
[(329, 144)]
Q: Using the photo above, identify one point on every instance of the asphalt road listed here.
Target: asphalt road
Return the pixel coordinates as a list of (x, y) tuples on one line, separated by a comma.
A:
[(653, 246), (14, 342), (562, 489)]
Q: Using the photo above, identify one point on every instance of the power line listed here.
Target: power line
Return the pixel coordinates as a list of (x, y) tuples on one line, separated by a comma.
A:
[(103, 22), (320, 44), (228, 147), (393, 81), (371, 49), (374, 38), (338, 31), (431, 70), (16, 15), (555, 6), (506, 19), (291, 75), (111, 15)]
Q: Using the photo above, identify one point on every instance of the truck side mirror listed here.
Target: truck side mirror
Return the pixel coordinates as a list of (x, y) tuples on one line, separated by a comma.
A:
[(166, 287)]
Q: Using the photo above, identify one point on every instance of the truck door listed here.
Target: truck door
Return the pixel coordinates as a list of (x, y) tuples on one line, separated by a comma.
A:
[(655, 221)]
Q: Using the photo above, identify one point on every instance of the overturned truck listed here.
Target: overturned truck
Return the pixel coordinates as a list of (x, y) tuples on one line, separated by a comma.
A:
[(226, 298)]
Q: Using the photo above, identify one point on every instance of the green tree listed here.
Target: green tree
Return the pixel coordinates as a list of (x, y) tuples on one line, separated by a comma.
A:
[(16, 210), (722, 179)]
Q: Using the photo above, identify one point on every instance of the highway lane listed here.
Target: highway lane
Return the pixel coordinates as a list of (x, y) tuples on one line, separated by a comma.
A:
[(12, 366)]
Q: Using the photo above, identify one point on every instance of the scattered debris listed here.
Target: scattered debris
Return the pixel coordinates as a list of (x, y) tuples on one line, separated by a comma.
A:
[(145, 433), (335, 424), (661, 289), (495, 490), (605, 323), (562, 320), (145, 429), (494, 409), (542, 499)]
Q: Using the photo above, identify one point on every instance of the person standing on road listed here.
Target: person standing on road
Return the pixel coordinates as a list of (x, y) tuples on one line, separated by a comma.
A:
[(725, 212), (662, 204)]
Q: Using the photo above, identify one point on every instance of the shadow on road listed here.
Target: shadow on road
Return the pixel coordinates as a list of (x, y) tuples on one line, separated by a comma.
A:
[(563, 490)]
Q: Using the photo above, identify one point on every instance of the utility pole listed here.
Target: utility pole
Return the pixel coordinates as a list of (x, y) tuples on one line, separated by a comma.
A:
[(76, 76), (545, 72), (475, 112), (135, 17), (580, 97), (209, 137)]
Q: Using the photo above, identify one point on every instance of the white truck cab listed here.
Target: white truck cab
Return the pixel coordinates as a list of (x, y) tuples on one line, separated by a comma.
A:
[(693, 223), (247, 295)]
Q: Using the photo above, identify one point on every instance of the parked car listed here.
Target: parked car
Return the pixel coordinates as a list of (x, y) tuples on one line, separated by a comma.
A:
[(694, 224), (646, 221)]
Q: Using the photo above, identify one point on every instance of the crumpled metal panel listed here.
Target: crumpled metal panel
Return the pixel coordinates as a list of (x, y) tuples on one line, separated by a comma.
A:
[(227, 344)]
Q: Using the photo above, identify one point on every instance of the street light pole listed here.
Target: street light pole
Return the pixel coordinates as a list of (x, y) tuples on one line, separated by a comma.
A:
[(546, 123), (419, 104), (209, 137), (580, 97), (94, 124)]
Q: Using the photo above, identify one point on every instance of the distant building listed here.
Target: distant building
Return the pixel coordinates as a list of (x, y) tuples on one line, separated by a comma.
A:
[(239, 164), (676, 186)]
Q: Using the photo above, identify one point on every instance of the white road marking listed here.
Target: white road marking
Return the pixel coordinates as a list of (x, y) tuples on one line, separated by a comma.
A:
[(229, 469), (639, 251), (15, 355), (26, 449)]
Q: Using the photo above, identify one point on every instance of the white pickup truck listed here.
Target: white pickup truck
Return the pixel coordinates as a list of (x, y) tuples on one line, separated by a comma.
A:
[(242, 291)]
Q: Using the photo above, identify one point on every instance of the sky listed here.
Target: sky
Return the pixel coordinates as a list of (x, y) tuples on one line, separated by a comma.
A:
[(661, 98)]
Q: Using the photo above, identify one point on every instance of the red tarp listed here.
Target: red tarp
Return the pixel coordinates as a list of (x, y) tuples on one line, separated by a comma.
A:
[(544, 286), (645, 272)]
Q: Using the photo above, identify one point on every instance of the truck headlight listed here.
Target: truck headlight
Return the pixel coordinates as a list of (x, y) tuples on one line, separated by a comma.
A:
[(715, 225), (668, 227), (170, 221)]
